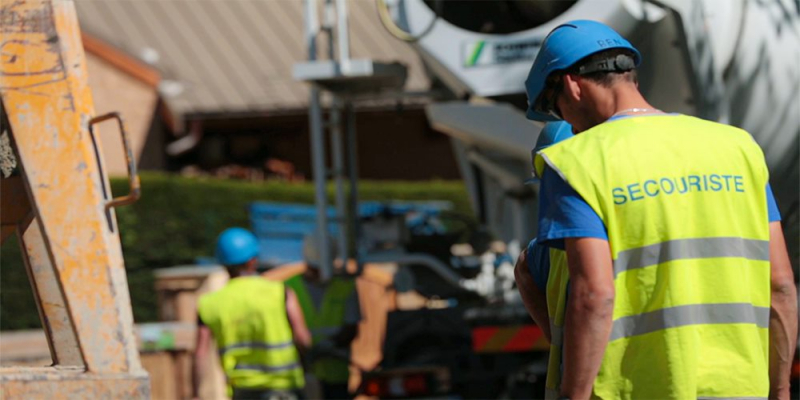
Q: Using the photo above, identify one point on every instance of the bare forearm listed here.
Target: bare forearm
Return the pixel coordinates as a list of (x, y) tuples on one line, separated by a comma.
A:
[(534, 299), (300, 333), (782, 340), (587, 328), (302, 341), (783, 314), (590, 309), (536, 308), (197, 373), (201, 349)]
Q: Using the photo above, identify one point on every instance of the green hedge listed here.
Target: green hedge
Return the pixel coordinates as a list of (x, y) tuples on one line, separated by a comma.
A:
[(177, 220)]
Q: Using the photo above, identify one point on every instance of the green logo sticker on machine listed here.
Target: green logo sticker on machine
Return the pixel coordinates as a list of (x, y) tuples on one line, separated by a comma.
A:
[(492, 52)]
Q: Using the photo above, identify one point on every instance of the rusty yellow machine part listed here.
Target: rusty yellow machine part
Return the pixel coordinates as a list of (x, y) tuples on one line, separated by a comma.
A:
[(60, 205)]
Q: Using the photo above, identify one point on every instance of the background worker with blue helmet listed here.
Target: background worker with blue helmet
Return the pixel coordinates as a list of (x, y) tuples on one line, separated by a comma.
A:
[(679, 281), (533, 264), (257, 325), (542, 275)]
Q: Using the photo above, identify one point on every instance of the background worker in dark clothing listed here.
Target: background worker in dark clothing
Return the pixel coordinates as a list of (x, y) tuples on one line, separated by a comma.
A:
[(332, 312)]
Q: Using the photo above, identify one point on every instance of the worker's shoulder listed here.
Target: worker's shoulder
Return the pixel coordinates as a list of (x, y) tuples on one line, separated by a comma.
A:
[(652, 129), (714, 126), (264, 283), (673, 124), (206, 302), (704, 133), (244, 284)]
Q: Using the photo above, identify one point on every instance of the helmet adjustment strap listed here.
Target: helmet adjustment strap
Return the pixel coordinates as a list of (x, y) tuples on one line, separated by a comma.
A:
[(620, 63)]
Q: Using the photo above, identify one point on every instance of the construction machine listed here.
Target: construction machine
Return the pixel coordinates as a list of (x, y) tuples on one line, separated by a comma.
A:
[(56, 198)]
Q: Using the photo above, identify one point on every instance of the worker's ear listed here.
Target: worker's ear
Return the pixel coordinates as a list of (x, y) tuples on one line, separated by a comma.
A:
[(572, 87)]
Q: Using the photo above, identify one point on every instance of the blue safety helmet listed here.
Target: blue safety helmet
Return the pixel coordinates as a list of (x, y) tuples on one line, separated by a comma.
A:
[(552, 133), (566, 45), (236, 246)]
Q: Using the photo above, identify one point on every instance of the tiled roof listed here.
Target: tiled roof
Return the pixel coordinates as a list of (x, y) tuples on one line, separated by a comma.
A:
[(219, 56)]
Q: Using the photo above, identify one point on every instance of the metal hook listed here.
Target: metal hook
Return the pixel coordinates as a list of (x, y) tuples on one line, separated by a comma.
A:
[(133, 176)]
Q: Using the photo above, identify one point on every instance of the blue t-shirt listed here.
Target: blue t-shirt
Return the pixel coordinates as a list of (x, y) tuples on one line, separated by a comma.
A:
[(539, 264), (564, 214)]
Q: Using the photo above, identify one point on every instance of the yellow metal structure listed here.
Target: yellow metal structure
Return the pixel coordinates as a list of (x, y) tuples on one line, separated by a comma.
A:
[(60, 205)]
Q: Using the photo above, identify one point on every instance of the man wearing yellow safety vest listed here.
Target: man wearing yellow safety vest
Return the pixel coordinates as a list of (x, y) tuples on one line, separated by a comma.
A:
[(256, 323), (541, 273), (332, 312), (679, 281)]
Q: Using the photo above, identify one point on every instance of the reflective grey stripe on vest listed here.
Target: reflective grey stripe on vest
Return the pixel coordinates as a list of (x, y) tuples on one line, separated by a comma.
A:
[(684, 249), (695, 314), (267, 368), (556, 334), (256, 345), (732, 398)]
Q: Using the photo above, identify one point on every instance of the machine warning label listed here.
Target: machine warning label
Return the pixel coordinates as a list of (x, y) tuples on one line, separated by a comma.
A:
[(491, 52)]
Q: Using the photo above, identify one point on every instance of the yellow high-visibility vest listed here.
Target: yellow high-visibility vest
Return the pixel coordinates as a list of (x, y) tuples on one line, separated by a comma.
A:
[(253, 335), (556, 294), (683, 201), (326, 322)]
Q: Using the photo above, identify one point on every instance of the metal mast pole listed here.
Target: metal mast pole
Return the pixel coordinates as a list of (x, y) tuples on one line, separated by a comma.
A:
[(343, 45), (337, 146), (343, 78), (342, 33), (318, 146), (352, 176)]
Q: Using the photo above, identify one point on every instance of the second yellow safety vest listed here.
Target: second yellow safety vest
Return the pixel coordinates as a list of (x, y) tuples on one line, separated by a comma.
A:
[(684, 205), (556, 293), (326, 322), (253, 335)]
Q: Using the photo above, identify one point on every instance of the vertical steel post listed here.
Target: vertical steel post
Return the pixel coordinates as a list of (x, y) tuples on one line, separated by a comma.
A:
[(57, 321), (352, 176), (342, 33), (318, 147), (312, 28), (321, 200), (338, 173), (328, 21)]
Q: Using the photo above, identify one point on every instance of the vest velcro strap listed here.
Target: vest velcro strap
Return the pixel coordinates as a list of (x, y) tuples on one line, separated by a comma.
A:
[(268, 368), (694, 314), (684, 249), (256, 345)]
